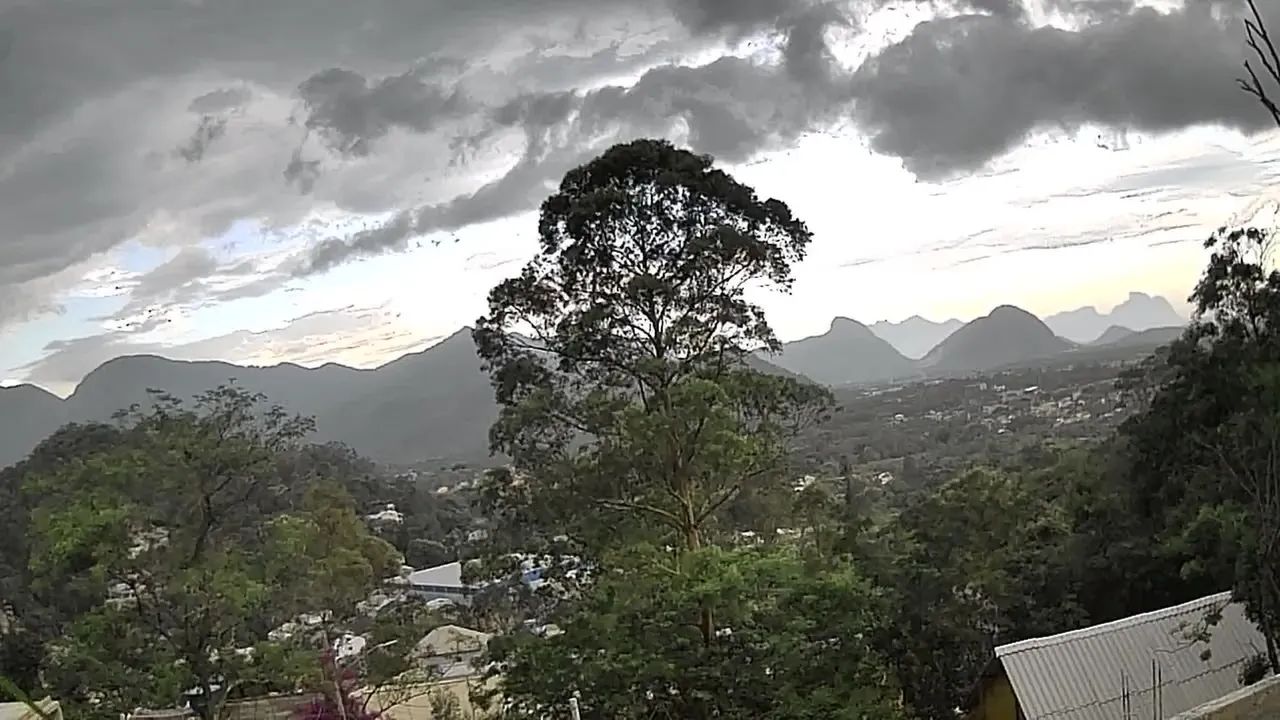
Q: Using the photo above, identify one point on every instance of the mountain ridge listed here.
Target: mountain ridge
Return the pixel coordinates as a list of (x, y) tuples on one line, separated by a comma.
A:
[(438, 402), (1005, 336), (847, 353), (1138, 312), (915, 336)]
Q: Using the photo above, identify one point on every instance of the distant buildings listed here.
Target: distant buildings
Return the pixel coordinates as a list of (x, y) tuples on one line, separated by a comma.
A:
[(386, 516)]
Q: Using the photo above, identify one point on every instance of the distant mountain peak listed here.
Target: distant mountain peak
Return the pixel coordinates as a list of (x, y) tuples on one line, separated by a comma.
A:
[(1115, 333), (848, 352), (915, 336), (1139, 311), (1001, 312), (1005, 336), (841, 324)]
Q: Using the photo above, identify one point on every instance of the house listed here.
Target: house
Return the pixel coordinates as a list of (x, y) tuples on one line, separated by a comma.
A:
[(47, 708), (1153, 665), (439, 582), (452, 655), (388, 515), (450, 651)]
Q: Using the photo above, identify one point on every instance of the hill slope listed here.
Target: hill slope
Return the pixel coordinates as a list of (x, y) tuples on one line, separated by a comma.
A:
[(1151, 338), (1008, 335), (28, 415), (1113, 334), (435, 403), (847, 353)]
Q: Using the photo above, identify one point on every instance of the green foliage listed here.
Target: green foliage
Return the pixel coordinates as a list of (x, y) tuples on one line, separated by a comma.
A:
[(1206, 452), (191, 546), (619, 354), (976, 563), (794, 642)]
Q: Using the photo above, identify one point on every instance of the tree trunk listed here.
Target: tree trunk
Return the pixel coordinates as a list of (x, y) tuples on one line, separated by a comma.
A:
[(692, 543), (1271, 652)]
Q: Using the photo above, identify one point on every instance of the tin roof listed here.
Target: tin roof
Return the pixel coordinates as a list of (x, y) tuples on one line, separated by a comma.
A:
[(1083, 674), (447, 575), (21, 711)]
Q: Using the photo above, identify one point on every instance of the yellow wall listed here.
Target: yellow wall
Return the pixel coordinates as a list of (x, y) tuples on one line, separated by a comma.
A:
[(414, 702), (997, 701)]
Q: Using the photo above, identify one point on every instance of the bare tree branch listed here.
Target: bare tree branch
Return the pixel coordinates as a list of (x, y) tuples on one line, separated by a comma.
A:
[(1264, 50)]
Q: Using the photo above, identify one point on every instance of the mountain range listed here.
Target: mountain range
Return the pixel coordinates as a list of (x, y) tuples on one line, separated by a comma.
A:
[(1137, 313), (438, 404), (916, 336)]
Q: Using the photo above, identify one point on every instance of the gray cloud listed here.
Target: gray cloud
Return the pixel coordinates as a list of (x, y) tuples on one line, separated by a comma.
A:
[(209, 129), (191, 278), (731, 108), (704, 16), (220, 100), (352, 112), (108, 136), (957, 92), (188, 266), (98, 144), (960, 91)]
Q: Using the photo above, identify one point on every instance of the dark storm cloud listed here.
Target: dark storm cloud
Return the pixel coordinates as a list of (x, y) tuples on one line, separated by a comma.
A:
[(220, 100), (209, 129), (105, 104), (730, 108), (351, 112), (959, 91), (806, 54), (106, 133), (704, 16)]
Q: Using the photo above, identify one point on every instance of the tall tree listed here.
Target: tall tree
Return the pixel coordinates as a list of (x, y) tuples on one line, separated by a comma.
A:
[(622, 355)]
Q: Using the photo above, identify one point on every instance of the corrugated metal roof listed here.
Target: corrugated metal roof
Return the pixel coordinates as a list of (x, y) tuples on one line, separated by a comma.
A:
[(447, 575), (1081, 675), (20, 711)]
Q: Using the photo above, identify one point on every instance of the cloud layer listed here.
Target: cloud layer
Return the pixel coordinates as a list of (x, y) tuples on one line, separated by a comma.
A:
[(428, 117), (961, 90)]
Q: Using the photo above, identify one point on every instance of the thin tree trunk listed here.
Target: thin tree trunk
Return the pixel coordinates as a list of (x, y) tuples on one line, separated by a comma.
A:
[(1271, 651), (693, 543)]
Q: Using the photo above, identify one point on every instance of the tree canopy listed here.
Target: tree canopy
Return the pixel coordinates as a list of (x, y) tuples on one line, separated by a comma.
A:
[(186, 548)]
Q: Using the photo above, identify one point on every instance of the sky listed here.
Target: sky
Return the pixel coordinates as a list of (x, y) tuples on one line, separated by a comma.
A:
[(263, 181)]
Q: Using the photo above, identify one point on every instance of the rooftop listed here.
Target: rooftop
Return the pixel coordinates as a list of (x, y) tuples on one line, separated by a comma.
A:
[(1085, 674)]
